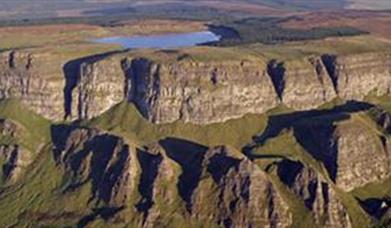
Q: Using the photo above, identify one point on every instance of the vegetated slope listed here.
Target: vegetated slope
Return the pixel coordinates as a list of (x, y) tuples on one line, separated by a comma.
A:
[(107, 172)]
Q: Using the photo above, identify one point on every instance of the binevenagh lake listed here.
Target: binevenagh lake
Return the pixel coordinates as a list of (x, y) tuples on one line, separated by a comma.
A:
[(164, 41)]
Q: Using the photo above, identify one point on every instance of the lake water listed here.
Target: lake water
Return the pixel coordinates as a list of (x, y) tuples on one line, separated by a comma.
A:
[(175, 40)]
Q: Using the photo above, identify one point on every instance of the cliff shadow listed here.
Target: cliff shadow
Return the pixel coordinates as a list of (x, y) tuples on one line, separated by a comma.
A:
[(276, 71), (72, 72), (279, 122), (106, 213), (220, 164), (59, 134), (329, 61), (189, 156), (149, 164), (313, 130), (136, 72), (288, 172), (376, 207), (88, 156)]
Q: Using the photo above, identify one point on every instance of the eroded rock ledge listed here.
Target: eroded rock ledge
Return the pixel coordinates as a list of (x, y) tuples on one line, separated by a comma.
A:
[(189, 90)]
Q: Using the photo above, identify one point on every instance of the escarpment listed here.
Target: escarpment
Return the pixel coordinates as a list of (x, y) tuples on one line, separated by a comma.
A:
[(215, 91), (181, 181), (29, 77), (308, 167), (355, 76), (99, 88), (345, 139), (199, 92), (185, 89)]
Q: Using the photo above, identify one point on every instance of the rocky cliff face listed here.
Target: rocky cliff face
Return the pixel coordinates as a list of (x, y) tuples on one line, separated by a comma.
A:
[(26, 76), (356, 76), (178, 178), (318, 195), (199, 92), (302, 85), (244, 196), (353, 153), (13, 158), (99, 86), (192, 91), (105, 160)]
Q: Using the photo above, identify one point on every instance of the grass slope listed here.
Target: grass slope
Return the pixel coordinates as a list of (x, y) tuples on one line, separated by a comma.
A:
[(124, 119)]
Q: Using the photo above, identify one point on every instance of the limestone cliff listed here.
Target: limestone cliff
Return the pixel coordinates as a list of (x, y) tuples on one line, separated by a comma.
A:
[(28, 77), (99, 87), (189, 90), (303, 84), (199, 92), (355, 76)]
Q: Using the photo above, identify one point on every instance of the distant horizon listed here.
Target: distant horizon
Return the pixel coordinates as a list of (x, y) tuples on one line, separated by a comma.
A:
[(44, 9)]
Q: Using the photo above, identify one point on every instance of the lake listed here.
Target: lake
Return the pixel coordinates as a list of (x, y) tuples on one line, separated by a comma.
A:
[(174, 40)]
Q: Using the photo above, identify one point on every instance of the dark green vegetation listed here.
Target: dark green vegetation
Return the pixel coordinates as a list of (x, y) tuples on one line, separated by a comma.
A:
[(45, 9), (303, 4), (110, 18), (41, 199), (125, 119), (269, 31)]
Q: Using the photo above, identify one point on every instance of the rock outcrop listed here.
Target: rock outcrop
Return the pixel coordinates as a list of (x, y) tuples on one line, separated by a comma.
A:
[(319, 197), (14, 161), (199, 92), (302, 85), (355, 76), (351, 149), (243, 195), (28, 77), (189, 90), (100, 85), (9, 128), (218, 186), (105, 160)]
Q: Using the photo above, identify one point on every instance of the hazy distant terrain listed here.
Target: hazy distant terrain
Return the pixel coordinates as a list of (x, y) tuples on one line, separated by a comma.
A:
[(29, 9)]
